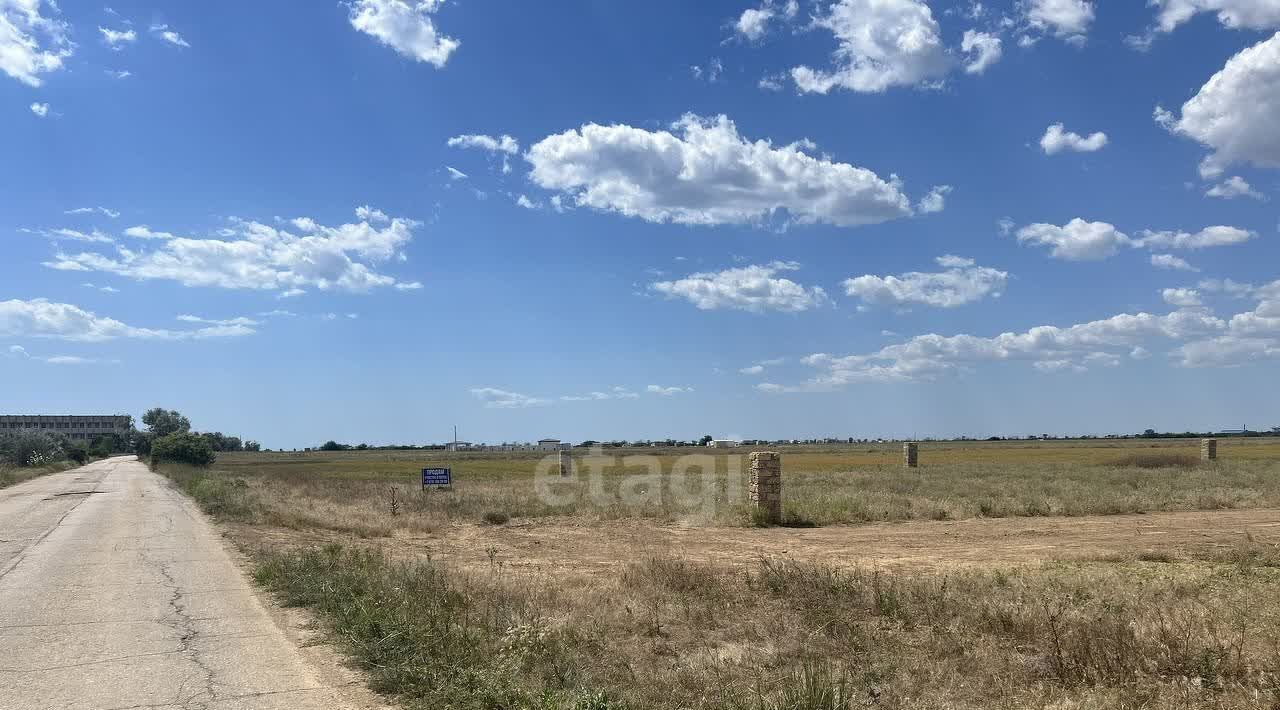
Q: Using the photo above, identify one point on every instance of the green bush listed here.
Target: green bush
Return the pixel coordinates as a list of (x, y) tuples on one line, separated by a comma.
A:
[(79, 454), (30, 448), (182, 447)]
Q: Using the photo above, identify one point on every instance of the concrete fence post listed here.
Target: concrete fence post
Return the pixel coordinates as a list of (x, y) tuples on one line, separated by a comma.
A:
[(911, 454), (566, 464), (766, 484), (1208, 449)]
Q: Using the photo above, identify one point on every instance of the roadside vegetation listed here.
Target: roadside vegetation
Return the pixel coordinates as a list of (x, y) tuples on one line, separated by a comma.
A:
[(26, 454)]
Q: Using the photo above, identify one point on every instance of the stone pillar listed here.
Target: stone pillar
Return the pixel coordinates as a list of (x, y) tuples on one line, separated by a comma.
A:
[(911, 454), (766, 484), (566, 464), (1208, 449)]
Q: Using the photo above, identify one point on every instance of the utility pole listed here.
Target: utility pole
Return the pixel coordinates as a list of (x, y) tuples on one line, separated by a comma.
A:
[(455, 437)]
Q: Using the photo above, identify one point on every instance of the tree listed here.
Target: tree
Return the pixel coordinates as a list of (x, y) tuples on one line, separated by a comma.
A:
[(161, 422), (182, 447), (332, 445), (705, 440), (252, 446)]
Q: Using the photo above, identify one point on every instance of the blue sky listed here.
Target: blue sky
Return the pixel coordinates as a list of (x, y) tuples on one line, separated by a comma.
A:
[(373, 220)]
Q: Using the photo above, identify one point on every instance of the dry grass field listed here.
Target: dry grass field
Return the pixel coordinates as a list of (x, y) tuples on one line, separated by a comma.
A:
[(1097, 574)]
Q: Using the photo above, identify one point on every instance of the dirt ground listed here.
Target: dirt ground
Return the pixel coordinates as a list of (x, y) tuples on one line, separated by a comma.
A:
[(591, 550)]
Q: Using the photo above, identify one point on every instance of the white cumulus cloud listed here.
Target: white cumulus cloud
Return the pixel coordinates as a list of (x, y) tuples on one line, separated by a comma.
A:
[(1235, 112), (1233, 187), (1217, 236), (1183, 297), (1056, 139), (982, 49), (1169, 261), (41, 318), (1076, 240), (503, 143), (704, 172), (405, 27), (32, 43), (881, 44), (1235, 14), (962, 281), (754, 288), (253, 255), (1066, 19)]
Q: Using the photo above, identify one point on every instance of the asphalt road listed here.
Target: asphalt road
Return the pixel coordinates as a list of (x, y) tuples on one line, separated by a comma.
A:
[(115, 592)]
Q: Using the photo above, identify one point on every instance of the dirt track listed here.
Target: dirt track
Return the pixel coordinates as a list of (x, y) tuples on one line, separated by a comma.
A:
[(557, 547)]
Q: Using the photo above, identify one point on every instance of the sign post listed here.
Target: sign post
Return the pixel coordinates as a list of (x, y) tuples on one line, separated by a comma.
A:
[(436, 477)]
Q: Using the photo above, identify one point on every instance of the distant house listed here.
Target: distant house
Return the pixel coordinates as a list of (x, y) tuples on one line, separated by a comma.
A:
[(459, 446), (551, 445), (723, 443)]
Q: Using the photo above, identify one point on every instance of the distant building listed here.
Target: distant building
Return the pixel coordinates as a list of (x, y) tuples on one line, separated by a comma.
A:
[(551, 445), (723, 443), (86, 427), (459, 446)]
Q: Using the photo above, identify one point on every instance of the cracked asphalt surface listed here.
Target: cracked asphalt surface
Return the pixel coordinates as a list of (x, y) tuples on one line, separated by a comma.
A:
[(116, 592)]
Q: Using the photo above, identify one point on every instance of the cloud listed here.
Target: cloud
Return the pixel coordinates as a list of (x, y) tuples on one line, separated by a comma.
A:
[(525, 202), (983, 50), (116, 38), (935, 200), (753, 22), (667, 391), (961, 282), (705, 173), (882, 44), (1077, 240), (105, 211), (455, 174), (257, 256), (41, 318), (142, 231), (748, 288), (501, 144), (31, 44), (1233, 187), (1217, 236), (408, 29), (615, 393), (759, 367), (502, 399), (118, 74), (926, 357), (169, 35), (40, 109), (1169, 261), (1202, 339), (1234, 113), (1056, 140), (1234, 14), (1068, 20), (1182, 297), (74, 235), (240, 320)]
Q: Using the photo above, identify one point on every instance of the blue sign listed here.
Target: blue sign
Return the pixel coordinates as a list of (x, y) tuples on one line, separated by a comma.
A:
[(436, 477)]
